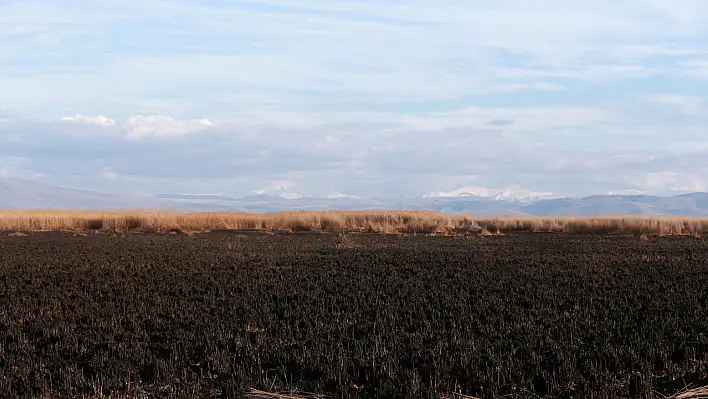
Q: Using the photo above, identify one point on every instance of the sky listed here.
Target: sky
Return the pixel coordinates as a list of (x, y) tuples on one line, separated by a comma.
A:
[(371, 98)]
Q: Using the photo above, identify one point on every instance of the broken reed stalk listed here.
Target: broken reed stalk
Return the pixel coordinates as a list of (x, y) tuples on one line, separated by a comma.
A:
[(686, 393), (691, 393), (258, 394)]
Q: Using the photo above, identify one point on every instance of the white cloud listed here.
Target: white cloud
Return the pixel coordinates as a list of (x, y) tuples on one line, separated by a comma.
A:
[(279, 188), (141, 126), (99, 120), (110, 175), (675, 181)]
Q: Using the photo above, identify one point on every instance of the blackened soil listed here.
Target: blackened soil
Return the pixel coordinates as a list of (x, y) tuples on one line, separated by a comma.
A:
[(533, 315)]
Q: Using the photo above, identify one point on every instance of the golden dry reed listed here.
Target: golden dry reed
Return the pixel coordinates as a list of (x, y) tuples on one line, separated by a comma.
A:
[(339, 221)]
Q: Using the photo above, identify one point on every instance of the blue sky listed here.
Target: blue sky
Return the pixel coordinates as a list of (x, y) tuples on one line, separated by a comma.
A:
[(385, 98)]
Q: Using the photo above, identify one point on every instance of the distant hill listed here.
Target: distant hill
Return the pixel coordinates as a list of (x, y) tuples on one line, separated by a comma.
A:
[(21, 194), (695, 204)]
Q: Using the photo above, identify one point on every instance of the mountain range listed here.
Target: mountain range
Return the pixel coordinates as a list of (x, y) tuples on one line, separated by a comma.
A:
[(509, 193), (22, 194)]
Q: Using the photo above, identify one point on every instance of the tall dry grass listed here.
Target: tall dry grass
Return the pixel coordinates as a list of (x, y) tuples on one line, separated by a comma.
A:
[(368, 221), (373, 221), (621, 224)]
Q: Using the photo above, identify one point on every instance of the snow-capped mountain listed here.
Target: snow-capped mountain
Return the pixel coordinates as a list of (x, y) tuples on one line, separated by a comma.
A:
[(477, 201), (627, 192), (504, 194), (341, 196), (281, 190)]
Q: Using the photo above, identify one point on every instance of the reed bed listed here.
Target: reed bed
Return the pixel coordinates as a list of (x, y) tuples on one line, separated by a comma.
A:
[(341, 221)]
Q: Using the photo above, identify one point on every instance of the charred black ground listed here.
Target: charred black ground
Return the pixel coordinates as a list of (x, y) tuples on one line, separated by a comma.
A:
[(549, 315)]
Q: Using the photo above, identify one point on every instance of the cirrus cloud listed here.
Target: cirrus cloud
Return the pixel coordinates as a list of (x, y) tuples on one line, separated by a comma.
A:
[(357, 159)]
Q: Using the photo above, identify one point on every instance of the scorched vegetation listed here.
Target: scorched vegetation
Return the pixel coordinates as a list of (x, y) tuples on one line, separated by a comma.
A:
[(355, 315)]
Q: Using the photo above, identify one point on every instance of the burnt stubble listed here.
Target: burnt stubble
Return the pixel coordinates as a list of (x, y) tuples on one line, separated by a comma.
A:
[(525, 315)]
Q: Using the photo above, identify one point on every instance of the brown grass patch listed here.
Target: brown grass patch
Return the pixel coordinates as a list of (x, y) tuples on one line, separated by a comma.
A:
[(645, 237), (394, 222), (346, 241)]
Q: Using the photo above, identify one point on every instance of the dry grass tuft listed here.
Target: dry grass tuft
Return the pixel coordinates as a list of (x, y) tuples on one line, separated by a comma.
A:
[(346, 241), (394, 222), (691, 393), (255, 393)]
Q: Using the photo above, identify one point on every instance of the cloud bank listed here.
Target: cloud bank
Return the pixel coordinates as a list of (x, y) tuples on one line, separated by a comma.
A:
[(150, 154)]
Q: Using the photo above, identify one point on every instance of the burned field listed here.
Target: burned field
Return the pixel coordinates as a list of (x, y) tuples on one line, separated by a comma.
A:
[(525, 315)]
